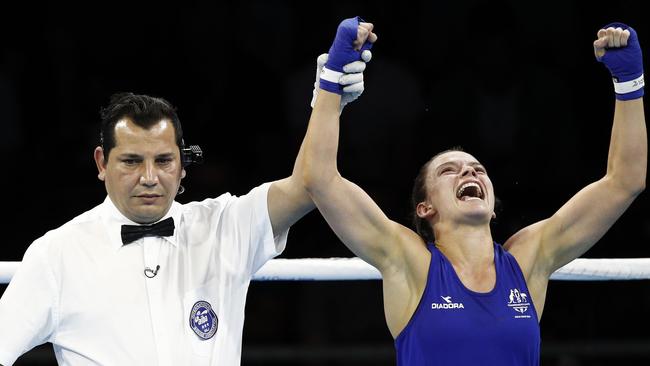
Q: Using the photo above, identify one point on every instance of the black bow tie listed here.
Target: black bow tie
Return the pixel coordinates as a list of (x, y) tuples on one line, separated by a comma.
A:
[(131, 233)]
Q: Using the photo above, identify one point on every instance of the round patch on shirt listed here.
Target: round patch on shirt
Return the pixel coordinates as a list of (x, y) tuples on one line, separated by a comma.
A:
[(203, 320)]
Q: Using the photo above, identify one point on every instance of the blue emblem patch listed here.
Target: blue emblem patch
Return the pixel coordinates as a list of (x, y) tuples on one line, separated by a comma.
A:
[(203, 320)]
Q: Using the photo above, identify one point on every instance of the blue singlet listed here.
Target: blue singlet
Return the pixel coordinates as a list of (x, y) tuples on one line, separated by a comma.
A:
[(454, 325)]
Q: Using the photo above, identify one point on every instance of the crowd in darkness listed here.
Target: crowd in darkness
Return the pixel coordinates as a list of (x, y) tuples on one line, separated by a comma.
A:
[(513, 83)]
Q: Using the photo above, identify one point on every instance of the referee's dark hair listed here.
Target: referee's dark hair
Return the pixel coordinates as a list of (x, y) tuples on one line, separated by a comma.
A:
[(143, 110)]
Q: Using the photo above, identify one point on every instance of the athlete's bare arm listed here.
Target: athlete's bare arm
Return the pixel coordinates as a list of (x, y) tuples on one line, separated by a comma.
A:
[(357, 220), (546, 246)]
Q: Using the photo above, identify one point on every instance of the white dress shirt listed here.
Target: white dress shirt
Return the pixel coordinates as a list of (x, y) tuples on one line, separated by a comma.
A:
[(79, 288)]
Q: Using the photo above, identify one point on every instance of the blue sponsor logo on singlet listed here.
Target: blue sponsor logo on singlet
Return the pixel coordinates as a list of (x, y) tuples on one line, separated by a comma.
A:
[(203, 320)]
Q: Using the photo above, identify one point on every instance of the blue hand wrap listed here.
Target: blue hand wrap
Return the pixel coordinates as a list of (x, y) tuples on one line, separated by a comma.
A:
[(342, 53), (626, 66)]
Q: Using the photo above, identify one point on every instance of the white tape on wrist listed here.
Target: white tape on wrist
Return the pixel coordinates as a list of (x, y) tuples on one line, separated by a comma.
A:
[(331, 76), (629, 86)]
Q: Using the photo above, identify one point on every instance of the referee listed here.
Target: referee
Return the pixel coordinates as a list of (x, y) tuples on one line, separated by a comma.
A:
[(141, 279)]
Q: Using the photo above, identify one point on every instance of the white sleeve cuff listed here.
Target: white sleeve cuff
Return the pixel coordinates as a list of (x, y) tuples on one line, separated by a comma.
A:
[(269, 246)]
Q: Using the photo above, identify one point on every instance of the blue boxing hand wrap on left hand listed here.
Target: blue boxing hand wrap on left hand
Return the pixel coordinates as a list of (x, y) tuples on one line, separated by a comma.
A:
[(342, 53), (626, 66)]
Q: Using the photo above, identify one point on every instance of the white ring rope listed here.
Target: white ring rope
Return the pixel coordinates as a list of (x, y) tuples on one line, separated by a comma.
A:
[(338, 269)]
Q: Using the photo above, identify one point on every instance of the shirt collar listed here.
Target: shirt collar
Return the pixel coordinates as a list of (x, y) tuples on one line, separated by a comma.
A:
[(114, 219)]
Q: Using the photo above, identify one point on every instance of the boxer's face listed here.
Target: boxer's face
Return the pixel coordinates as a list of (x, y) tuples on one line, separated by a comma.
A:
[(143, 171), (459, 189)]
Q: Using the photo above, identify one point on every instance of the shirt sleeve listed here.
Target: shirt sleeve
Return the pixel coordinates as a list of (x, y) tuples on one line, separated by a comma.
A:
[(248, 216), (27, 307)]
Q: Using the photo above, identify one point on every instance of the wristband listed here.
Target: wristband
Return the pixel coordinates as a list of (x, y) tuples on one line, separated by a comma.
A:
[(341, 53), (632, 89), (625, 64)]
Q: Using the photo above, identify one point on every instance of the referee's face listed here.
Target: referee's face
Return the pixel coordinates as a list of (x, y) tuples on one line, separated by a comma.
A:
[(143, 171)]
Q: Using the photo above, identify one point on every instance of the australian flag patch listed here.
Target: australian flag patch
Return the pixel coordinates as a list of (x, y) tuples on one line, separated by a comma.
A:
[(203, 320)]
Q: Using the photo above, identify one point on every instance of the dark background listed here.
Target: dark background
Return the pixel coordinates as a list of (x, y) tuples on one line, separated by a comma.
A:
[(515, 83)]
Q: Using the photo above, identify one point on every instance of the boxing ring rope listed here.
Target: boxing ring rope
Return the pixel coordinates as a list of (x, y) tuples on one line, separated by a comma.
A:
[(340, 269)]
